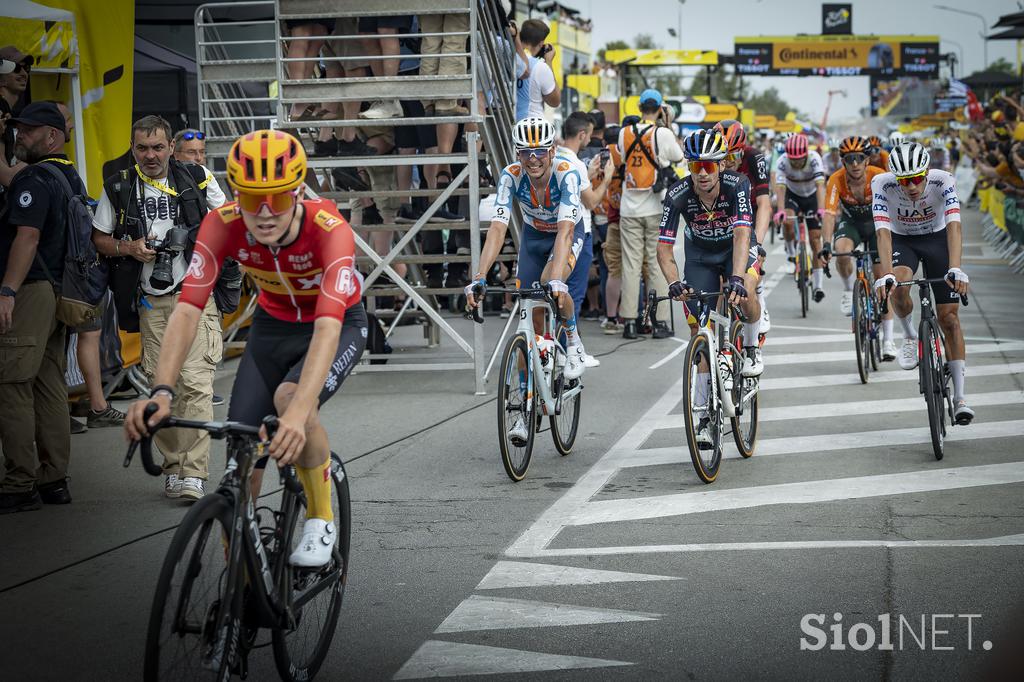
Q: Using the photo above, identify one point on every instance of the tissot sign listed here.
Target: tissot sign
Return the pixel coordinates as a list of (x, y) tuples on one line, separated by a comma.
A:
[(838, 55)]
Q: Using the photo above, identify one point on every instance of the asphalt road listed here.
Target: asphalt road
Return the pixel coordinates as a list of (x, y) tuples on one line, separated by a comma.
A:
[(614, 562)]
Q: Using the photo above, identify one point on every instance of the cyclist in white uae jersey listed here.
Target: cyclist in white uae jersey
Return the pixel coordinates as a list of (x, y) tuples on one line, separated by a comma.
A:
[(917, 221)]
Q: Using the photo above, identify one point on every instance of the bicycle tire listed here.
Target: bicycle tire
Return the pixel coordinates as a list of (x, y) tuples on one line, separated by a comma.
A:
[(288, 667), (802, 281), (515, 458), (861, 340), (699, 351), (931, 385), (565, 425), (209, 513), (744, 437)]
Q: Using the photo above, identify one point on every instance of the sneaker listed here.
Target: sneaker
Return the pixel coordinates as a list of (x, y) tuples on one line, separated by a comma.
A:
[(753, 364), (591, 314), (457, 110), (218, 400), (192, 488), (348, 180), (908, 354), (11, 503), (108, 417), (323, 148), (407, 214), (77, 426), (888, 350), (316, 545), (629, 330), (382, 109), (172, 486), (575, 362), (518, 432), (610, 327), (355, 148), (962, 415), (55, 492), (590, 361), (661, 331), (443, 215), (819, 295), (846, 303)]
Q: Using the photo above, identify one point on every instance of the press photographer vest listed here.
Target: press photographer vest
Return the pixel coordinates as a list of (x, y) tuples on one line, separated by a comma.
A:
[(188, 181)]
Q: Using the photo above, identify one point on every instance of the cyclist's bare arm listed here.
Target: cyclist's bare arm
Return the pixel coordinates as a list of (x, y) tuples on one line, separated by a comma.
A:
[(780, 197), (820, 190), (489, 253), (954, 244), (764, 217), (740, 249), (828, 226), (667, 262)]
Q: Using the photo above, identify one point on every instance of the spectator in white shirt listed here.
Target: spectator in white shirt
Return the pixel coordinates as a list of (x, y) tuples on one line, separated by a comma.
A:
[(536, 86)]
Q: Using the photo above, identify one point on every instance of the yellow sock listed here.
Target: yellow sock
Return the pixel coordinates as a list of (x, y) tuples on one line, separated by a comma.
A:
[(317, 484)]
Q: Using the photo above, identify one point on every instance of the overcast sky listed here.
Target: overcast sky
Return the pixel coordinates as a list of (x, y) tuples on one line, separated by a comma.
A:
[(712, 24)]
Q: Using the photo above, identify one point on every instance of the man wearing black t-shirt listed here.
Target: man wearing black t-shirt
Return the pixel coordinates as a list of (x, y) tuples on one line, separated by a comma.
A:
[(34, 419)]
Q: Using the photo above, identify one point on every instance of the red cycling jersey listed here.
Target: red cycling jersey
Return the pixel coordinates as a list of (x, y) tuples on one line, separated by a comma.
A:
[(312, 277)]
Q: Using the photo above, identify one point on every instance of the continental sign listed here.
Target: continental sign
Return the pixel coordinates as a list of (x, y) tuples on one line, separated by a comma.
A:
[(838, 55)]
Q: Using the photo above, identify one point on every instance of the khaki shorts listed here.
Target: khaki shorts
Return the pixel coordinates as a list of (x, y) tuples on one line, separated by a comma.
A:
[(382, 178), (612, 250), (349, 47)]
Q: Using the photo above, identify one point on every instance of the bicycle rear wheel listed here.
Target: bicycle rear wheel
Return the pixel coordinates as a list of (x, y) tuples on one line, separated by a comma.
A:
[(190, 635), (861, 335), (802, 278), (744, 424), (514, 402), (932, 385), (702, 424), (564, 425), (315, 596)]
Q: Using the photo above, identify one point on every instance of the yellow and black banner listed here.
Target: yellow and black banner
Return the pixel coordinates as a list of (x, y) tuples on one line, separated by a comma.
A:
[(838, 55)]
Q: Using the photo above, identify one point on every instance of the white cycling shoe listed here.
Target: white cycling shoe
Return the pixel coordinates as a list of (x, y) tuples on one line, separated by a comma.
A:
[(575, 362), (316, 545), (888, 350), (963, 415), (753, 364), (846, 303), (518, 433), (908, 354)]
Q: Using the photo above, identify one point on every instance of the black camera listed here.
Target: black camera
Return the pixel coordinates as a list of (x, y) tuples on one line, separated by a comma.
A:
[(167, 249)]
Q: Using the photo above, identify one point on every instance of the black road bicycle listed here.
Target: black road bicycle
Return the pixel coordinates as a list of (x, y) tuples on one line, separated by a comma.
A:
[(867, 314), (226, 573)]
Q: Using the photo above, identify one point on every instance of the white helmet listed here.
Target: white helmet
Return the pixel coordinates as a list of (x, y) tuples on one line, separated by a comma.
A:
[(896, 138), (909, 158), (533, 133)]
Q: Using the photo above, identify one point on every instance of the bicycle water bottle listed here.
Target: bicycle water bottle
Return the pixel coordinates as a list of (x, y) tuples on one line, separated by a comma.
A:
[(545, 347), (725, 370)]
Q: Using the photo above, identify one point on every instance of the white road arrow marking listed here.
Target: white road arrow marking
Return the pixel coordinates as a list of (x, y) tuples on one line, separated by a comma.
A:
[(493, 613), (507, 574), (450, 659)]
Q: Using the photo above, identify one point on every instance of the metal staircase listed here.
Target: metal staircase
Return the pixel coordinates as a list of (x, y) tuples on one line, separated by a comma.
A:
[(237, 58)]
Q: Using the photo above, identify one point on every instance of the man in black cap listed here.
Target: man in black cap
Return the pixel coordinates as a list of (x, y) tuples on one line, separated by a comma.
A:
[(34, 420)]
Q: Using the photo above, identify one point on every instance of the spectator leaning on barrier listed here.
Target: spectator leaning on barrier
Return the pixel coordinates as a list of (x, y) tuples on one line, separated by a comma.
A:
[(647, 148), (536, 85), (146, 225), (34, 419)]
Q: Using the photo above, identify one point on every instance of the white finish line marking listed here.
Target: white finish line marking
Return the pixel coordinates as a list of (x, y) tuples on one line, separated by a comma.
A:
[(506, 574), (451, 659), (892, 373), (493, 613)]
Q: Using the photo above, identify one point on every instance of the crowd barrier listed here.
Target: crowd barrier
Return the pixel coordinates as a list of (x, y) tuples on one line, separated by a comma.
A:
[(1004, 225)]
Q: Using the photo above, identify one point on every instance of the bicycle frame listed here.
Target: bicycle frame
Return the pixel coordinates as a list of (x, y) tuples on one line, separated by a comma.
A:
[(717, 341), (548, 404)]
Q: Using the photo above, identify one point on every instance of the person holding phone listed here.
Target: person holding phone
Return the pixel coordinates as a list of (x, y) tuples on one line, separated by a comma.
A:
[(537, 86)]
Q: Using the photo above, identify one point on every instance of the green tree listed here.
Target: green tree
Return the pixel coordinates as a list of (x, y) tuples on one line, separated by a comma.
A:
[(645, 41), (1000, 65)]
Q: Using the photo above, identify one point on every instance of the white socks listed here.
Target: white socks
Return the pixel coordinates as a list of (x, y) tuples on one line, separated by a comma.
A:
[(750, 331), (887, 334), (958, 371), (848, 282), (702, 389), (908, 326), (818, 277)]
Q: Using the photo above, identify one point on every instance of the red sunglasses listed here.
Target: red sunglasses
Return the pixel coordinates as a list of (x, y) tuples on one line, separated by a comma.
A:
[(913, 179), (708, 167), (279, 203)]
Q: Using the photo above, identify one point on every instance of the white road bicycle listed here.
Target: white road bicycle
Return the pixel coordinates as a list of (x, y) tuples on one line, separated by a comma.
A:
[(532, 384)]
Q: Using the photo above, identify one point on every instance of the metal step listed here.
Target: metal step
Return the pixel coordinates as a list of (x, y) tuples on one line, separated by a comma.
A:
[(391, 290), (460, 192), (403, 227), (438, 259), (378, 122), (368, 89), (235, 70), (324, 9), (386, 160)]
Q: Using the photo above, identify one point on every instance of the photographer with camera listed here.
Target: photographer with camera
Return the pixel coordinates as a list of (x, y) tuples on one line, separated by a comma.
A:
[(146, 225), (536, 84), (648, 149)]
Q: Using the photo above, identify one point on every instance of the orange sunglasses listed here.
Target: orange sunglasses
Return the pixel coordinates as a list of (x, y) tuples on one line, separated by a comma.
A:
[(913, 179), (708, 167), (278, 202)]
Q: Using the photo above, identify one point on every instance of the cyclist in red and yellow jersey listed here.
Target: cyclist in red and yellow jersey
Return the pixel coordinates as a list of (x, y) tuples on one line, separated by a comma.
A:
[(309, 328)]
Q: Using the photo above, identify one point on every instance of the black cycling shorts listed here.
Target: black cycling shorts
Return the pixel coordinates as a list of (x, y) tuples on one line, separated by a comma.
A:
[(704, 270), (275, 354), (806, 205), (932, 251), (860, 233)]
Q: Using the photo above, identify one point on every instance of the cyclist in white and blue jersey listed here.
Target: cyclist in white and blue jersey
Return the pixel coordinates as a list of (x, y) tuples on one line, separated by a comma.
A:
[(548, 193)]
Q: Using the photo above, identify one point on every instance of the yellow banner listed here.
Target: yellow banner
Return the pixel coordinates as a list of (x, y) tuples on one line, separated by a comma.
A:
[(49, 40), (747, 117), (663, 57), (765, 121), (720, 112), (785, 127)]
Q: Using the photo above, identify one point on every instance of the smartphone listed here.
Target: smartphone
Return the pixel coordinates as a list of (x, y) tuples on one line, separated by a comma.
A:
[(605, 155)]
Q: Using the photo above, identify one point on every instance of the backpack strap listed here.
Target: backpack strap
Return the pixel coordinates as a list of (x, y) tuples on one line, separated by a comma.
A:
[(191, 183), (65, 186), (118, 189), (643, 147)]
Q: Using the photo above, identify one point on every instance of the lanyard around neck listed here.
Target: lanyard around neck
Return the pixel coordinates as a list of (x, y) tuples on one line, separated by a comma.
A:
[(154, 183), (56, 160)]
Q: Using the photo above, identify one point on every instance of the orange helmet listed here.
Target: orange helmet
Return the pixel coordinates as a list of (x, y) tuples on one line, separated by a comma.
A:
[(875, 141), (853, 144), (266, 162), (734, 134)]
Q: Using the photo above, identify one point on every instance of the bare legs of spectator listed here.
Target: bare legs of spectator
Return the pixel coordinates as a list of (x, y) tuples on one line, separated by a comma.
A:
[(88, 354), (383, 45), (306, 50)]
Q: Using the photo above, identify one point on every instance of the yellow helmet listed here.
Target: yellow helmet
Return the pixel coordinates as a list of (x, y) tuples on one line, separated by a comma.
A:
[(266, 162)]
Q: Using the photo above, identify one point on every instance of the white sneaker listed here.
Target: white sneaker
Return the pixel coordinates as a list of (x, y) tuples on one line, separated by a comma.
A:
[(518, 432), (192, 488), (172, 486), (888, 350), (908, 354), (846, 303), (575, 362), (753, 364), (383, 109), (314, 550), (590, 361)]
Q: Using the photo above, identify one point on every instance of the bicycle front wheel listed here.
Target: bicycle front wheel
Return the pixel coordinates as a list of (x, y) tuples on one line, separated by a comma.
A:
[(315, 596), (517, 410), (932, 385), (191, 632), (744, 424), (802, 281), (565, 424), (703, 423), (861, 340)]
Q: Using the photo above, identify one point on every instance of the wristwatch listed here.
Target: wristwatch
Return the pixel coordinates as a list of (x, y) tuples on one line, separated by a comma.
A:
[(7, 291)]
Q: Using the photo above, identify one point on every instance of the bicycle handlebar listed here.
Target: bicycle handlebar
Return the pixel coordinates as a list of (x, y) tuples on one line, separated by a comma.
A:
[(925, 281), (541, 292)]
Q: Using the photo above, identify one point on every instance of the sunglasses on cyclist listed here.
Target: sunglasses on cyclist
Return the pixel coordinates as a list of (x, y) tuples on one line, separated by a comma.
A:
[(854, 157), (708, 167), (734, 157), (197, 135), (533, 153), (908, 180), (279, 203)]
